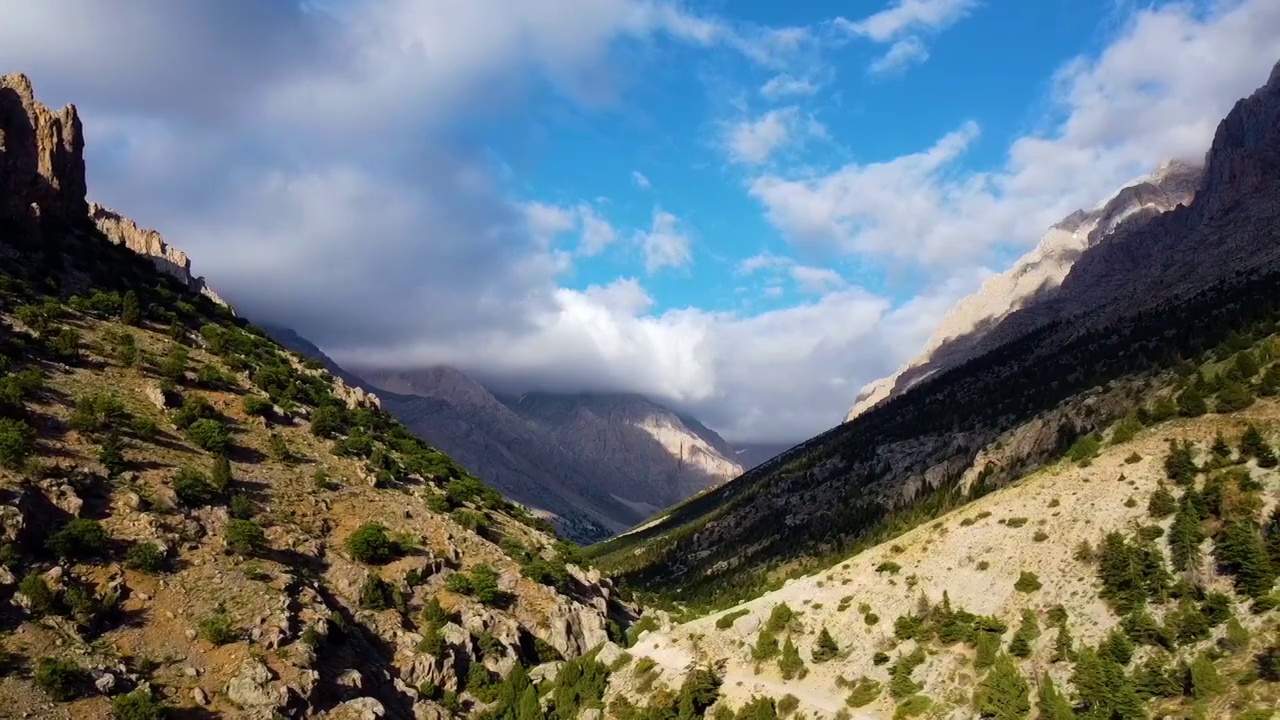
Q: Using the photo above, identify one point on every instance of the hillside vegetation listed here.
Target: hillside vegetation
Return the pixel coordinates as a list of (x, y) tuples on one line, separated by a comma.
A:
[(196, 520)]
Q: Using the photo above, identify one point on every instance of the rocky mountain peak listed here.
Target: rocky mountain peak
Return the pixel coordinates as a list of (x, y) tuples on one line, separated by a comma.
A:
[(977, 323), (41, 155)]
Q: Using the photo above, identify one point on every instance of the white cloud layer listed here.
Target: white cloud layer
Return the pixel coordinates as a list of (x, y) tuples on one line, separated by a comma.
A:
[(903, 24), (755, 141)]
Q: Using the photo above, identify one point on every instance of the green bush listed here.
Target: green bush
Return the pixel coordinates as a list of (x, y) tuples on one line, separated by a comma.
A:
[(240, 507), (370, 544), (194, 408), (257, 406), (376, 594), (131, 309), (1027, 582), (79, 539), (326, 421), (111, 454), (39, 597), (220, 474), (864, 692), (17, 442), (1162, 503), (900, 683), (1003, 693), (211, 435), (145, 557), (138, 705), (192, 489), (245, 537), (217, 629), (63, 680)]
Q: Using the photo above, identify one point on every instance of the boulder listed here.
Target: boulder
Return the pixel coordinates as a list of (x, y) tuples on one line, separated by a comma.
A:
[(365, 708), (252, 687)]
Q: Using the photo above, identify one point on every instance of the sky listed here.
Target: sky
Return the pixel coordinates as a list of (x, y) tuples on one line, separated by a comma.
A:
[(746, 209)]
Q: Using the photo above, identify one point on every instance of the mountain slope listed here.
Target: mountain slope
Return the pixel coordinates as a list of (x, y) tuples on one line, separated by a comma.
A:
[(195, 522), (602, 463), (1183, 284), (967, 329)]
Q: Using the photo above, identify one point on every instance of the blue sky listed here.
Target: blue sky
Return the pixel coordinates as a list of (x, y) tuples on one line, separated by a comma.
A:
[(746, 209)]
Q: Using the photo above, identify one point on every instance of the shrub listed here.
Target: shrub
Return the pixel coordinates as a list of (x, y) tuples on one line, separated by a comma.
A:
[(787, 705), (790, 663), (1003, 693), (39, 597), (131, 309), (326, 421), (220, 474), (1015, 522), (724, 622), (111, 454), (256, 406), (240, 507), (17, 442), (825, 647), (79, 539), (213, 377), (1162, 503), (1040, 536), (217, 629), (245, 537), (192, 489), (864, 692), (194, 408), (145, 557), (278, 449), (63, 680), (138, 705), (211, 435), (1132, 458), (376, 594), (370, 544), (1084, 449), (900, 684), (1027, 582), (888, 566), (173, 366)]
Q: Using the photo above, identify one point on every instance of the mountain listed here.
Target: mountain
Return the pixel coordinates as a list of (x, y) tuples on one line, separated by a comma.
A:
[(751, 455), (967, 330), (601, 463), (1137, 310), (197, 522)]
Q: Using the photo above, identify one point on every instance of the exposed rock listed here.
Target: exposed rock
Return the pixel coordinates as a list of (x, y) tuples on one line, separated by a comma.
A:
[(41, 155), (157, 396), (199, 696), (252, 687), (64, 497), (150, 244), (105, 682), (365, 708), (546, 672), (989, 317), (608, 654)]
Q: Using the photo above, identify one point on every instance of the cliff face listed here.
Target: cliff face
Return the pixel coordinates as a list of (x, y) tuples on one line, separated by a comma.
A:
[(41, 156), (986, 319), (150, 244)]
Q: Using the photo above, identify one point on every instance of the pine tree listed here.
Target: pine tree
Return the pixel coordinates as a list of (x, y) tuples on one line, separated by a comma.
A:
[(1154, 679), (131, 309), (988, 647), (1117, 646), (1191, 402), (1234, 397), (1003, 694), (1204, 680), (1180, 463), (1027, 633), (1161, 504), (1063, 650), (1245, 366), (530, 708), (1253, 445), (1104, 689), (790, 663), (111, 454), (221, 473), (1185, 535), (1270, 383), (1272, 532), (825, 648), (1220, 447), (1239, 551), (1051, 703)]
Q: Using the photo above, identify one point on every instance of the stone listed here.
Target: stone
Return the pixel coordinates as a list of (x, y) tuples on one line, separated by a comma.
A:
[(156, 396), (43, 160), (199, 696), (105, 682), (365, 708), (747, 625), (351, 678), (546, 672), (64, 497), (252, 687), (608, 654)]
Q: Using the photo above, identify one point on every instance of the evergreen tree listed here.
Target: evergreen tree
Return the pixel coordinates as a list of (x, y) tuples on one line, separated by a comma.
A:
[(1051, 703), (1027, 633), (1063, 650), (1272, 532), (111, 454), (1270, 383), (825, 648), (1239, 551), (1245, 366), (1220, 447), (1104, 689), (790, 663), (131, 309), (1185, 534), (700, 690), (1202, 679), (1191, 402), (220, 476), (1234, 397), (1180, 463), (1161, 504), (530, 708), (1253, 445), (1117, 646), (1003, 694), (1155, 679), (988, 647)]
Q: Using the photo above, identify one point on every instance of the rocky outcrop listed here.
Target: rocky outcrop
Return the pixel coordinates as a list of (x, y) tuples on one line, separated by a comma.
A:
[(150, 244), (41, 155), (990, 316)]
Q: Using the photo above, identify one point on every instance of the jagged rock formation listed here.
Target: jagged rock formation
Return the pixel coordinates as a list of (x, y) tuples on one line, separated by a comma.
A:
[(41, 155), (967, 330), (150, 244)]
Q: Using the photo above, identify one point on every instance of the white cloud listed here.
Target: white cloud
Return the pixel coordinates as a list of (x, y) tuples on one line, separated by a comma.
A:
[(785, 85), (1157, 92), (640, 180), (665, 244), (903, 24), (546, 222), (597, 233), (753, 142), (816, 280), (900, 56), (906, 16), (763, 261)]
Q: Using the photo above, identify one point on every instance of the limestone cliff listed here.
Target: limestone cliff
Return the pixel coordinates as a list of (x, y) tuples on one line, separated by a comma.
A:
[(41, 155)]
